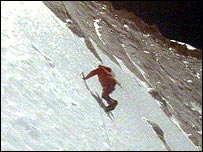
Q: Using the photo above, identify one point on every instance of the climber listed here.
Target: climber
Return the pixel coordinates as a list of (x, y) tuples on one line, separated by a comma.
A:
[(108, 82)]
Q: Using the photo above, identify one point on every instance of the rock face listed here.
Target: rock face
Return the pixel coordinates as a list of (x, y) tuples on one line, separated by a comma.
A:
[(174, 71)]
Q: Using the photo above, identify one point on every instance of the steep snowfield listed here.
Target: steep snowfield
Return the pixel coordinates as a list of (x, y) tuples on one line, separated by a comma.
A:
[(45, 103)]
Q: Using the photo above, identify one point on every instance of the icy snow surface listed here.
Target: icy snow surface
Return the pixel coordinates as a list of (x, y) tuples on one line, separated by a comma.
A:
[(45, 104)]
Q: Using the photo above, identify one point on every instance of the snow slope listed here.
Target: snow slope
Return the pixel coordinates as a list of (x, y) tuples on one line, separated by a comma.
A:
[(45, 103)]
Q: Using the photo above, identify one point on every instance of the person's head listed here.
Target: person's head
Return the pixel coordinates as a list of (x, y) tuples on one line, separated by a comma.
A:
[(99, 66)]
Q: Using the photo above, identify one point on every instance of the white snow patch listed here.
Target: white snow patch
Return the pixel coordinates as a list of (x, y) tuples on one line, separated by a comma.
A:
[(196, 108), (173, 119), (178, 55), (69, 21), (98, 28), (124, 68), (101, 12), (184, 133), (199, 132), (198, 75), (172, 79), (185, 62), (151, 90), (146, 35), (114, 25), (168, 103), (141, 71), (170, 49), (189, 47), (146, 52), (103, 8), (144, 84), (126, 26), (189, 81)]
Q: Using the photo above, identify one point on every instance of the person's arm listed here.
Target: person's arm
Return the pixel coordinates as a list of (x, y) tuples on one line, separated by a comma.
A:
[(91, 74)]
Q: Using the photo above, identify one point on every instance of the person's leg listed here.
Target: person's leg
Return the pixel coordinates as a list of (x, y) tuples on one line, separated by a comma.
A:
[(112, 106), (108, 89), (105, 95)]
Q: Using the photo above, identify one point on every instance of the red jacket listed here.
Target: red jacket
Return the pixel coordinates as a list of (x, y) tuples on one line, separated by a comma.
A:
[(104, 75)]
